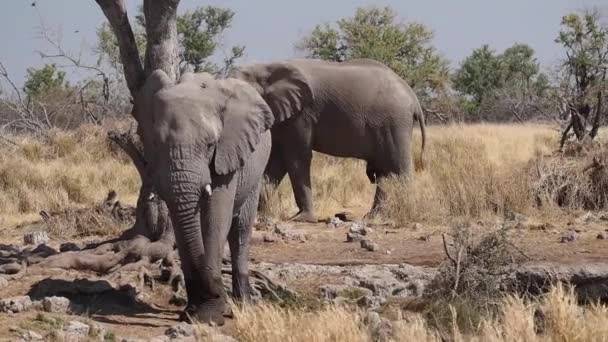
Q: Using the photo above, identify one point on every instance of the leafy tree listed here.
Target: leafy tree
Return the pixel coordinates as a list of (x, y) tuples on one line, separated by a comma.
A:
[(479, 74), (375, 33), (501, 86), (41, 81), (199, 35), (583, 79)]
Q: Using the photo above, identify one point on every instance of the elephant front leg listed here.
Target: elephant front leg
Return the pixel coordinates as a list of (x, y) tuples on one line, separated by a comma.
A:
[(217, 217)]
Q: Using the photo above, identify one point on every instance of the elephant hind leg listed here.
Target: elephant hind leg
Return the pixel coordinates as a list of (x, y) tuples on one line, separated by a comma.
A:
[(238, 240), (274, 174)]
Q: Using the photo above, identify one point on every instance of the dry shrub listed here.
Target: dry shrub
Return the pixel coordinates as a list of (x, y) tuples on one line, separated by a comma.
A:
[(274, 324), (64, 170), (576, 179)]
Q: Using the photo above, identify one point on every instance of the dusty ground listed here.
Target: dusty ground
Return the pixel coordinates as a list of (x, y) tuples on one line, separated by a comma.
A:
[(326, 245)]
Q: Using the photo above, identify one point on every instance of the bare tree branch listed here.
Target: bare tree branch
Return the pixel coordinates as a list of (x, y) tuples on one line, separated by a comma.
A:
[(116, 13)]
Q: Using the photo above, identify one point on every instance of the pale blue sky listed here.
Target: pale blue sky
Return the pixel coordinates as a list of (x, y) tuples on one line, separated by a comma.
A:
[(269, 28)]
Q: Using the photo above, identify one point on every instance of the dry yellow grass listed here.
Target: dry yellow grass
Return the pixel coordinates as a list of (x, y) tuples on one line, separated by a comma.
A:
[(561, 320), (66, 170), (470, 170)]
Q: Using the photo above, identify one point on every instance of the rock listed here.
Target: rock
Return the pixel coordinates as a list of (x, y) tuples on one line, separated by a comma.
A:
[(353, 237), (282, 228), (345, 216), (425, 238), (76, 330), (10, 268), (515, 217), (270, 237), (180, 330), (600, 236), (569, 236), (358, 228), (36, 238), (590, 280), (295, 235), (15, 304), (352, 293), (335, 222), (178, 300), (31, 336), (586, 218), (3, 282), (69, 247), (56, 304), (417, 226), (369, 245), (285, 232)]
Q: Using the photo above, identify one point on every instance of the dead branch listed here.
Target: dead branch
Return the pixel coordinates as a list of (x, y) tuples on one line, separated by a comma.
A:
[(447, 252), (116, 13)]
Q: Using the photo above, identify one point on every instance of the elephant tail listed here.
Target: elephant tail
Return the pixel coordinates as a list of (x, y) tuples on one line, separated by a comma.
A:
[(421, 119)]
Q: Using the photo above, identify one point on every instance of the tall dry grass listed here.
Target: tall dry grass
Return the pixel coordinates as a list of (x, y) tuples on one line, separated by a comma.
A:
[(553, 317), (64, 170), (470, 171)]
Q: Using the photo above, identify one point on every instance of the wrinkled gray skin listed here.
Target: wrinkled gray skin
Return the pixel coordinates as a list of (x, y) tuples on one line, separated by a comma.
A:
[(207, 143), (358, 109)]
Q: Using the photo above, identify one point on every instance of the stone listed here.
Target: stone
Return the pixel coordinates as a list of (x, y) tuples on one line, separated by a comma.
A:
[(178, 300), (417, 226), (600, 236), (569, 236), (15, 304), (586, 218), (270, 237), (69, 247), (358, 228), (180, 330), (335, 222), (282, 228), (370, 245), (10, 268), (345, 216), (424, 238), (333, 291), (31, 335), (3, 282), (76, 330), (56, 304), (36, 238), (353, 237)]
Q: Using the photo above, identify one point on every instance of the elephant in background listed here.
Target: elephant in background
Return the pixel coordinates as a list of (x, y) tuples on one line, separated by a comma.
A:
[(358, 109), (207, 143)]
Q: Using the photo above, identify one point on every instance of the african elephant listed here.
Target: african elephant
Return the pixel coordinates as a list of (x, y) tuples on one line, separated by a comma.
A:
[(358, 109), (207, 143)]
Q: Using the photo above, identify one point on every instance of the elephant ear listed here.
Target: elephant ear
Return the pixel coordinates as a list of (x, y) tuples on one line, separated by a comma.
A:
[(288, 91), (246, 116)]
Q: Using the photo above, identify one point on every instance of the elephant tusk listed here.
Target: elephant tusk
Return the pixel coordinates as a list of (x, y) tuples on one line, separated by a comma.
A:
[(208, 189)]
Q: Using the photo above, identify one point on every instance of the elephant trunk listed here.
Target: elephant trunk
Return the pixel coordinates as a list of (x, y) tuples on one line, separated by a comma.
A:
[(188, 182)]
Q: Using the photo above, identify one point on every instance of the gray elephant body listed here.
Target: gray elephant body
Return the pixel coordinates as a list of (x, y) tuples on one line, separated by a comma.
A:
[(207, 143), (358, 109)]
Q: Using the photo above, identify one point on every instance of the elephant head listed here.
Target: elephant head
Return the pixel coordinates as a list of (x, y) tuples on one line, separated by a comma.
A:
[(284, 86), (194, 130)]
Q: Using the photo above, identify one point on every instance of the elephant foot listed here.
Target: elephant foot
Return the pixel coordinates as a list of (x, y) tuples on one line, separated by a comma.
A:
[(210, 312), (304, 216)]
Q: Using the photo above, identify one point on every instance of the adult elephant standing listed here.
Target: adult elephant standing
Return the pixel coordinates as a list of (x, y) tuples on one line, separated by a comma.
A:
[(358, 109), (207, 142)]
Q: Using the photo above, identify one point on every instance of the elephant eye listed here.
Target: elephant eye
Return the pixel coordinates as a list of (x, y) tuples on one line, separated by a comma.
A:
[(203, 85)]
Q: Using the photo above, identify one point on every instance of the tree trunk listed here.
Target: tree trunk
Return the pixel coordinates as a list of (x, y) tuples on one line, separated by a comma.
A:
[(152, 218)]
